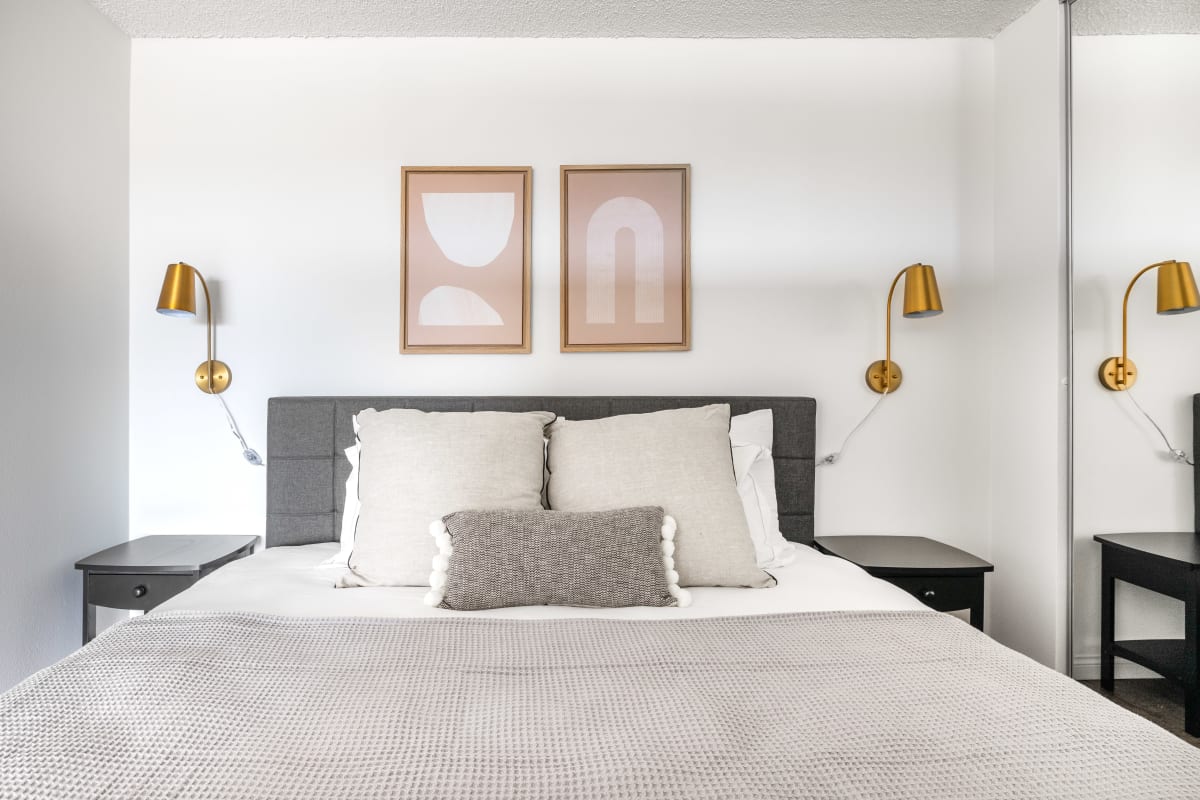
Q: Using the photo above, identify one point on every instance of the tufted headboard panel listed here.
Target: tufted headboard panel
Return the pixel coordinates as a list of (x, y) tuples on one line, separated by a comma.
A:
[(307, 468)]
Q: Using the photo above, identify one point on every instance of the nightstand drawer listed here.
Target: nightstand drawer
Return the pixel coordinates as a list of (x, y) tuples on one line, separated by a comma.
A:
[(136, 592), (943, 593)]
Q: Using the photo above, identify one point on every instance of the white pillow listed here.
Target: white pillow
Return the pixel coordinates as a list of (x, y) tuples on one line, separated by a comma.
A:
[(349, 508), (752, 436), (678, 459), (415, 466)]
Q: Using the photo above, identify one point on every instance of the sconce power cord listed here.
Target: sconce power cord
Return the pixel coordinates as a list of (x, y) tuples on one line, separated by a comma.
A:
[(833, 457), (1174, 452), (248, 453)]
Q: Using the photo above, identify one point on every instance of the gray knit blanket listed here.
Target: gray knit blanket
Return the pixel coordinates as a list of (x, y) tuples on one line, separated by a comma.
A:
[(829, 705)]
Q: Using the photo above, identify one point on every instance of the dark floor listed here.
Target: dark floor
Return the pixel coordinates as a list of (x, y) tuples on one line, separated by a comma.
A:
[(1155, 699)]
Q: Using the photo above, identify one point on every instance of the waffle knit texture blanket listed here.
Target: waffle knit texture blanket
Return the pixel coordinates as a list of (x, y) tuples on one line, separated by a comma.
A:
[(866, 705)]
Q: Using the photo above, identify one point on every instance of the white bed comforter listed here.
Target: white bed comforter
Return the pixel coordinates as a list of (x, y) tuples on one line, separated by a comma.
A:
[(289, 581)]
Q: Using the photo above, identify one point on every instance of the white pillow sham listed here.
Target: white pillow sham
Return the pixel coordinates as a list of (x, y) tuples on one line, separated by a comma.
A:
[(752, 437)]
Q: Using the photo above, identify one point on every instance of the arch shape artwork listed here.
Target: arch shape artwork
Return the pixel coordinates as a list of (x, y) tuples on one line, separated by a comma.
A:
[(625, 253), (606, 222)]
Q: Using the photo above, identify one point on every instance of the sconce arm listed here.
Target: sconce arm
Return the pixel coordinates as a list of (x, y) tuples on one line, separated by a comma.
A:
[(208, 312), (887, 360), (1125, 319)]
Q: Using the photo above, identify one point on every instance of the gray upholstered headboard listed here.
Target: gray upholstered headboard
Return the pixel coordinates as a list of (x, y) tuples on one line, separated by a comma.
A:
[(307, 470)]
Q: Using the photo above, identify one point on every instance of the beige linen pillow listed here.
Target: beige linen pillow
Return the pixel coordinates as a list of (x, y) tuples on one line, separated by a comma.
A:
[(416, 466), (678, 459)]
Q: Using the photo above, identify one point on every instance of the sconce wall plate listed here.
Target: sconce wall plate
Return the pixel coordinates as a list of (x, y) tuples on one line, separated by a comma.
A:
[(875, 377), (1110, 368), (213, 377)]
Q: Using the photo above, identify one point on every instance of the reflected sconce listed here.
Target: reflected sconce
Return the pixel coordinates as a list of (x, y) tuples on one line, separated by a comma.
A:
[(178, 299), (921, 299), (1176, 295)]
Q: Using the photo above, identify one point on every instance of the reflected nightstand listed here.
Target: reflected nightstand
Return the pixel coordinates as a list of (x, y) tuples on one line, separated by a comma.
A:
[(1167, 563)]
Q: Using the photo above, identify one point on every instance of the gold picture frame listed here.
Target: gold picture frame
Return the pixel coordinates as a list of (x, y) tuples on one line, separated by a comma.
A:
[(464, 276), (607, 303)]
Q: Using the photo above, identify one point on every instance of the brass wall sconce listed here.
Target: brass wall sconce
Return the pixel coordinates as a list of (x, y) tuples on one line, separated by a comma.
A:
[(921, 299), (1176, 295), (178, 299)]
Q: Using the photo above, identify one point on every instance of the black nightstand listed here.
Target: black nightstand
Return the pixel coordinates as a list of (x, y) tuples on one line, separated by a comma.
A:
[(142, 573), (1167, 563), (940, 576)]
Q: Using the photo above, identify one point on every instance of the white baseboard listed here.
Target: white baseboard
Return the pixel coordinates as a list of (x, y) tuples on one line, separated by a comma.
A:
[(1087, 668)]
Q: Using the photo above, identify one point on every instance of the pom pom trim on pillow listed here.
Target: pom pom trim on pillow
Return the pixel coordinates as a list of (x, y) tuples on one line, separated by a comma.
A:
[(445, 545)]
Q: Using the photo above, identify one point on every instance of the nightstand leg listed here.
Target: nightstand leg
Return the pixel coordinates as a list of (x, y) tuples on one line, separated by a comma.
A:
[(1107, 624), (89, 613), (977, 617), (977, 604), (1191, 660)]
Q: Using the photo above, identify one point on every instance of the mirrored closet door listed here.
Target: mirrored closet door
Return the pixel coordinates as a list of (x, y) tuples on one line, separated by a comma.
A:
[(1136, 204)]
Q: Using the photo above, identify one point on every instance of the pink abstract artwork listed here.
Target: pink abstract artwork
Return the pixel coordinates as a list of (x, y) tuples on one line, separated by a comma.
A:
[(625, 258), (465, 259)]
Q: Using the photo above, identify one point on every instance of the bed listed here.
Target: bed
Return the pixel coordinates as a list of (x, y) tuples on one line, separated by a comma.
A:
[(263, 681)]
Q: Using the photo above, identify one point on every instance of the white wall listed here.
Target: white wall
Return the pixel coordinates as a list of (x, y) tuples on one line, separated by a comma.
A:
[(64, 227), (1026, 356), (1137, 166), (820, 168)]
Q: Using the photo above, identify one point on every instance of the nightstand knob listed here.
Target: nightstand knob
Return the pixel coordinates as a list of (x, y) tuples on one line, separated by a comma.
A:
[(928, 594), (139, 591)]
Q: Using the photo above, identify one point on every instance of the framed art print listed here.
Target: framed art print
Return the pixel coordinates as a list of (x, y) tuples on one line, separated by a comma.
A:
[(464, 259), (625, 258)]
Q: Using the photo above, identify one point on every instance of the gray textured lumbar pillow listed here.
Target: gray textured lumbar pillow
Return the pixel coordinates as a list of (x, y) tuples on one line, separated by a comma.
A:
[(678, 459), (501, 558), (416, 466)]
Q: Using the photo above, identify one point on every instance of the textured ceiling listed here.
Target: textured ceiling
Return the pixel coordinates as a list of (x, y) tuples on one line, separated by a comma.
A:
[(785, 19), (1113, 17)]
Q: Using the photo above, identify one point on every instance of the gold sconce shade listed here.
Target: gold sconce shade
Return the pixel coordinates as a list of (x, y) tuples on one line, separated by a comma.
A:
[(921, 299), (178, 295), (921, 296), (1177, 289), (178, 299), (1176, 295)]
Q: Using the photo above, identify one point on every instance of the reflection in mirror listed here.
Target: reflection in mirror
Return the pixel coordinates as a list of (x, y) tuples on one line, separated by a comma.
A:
[(1136, 187)]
